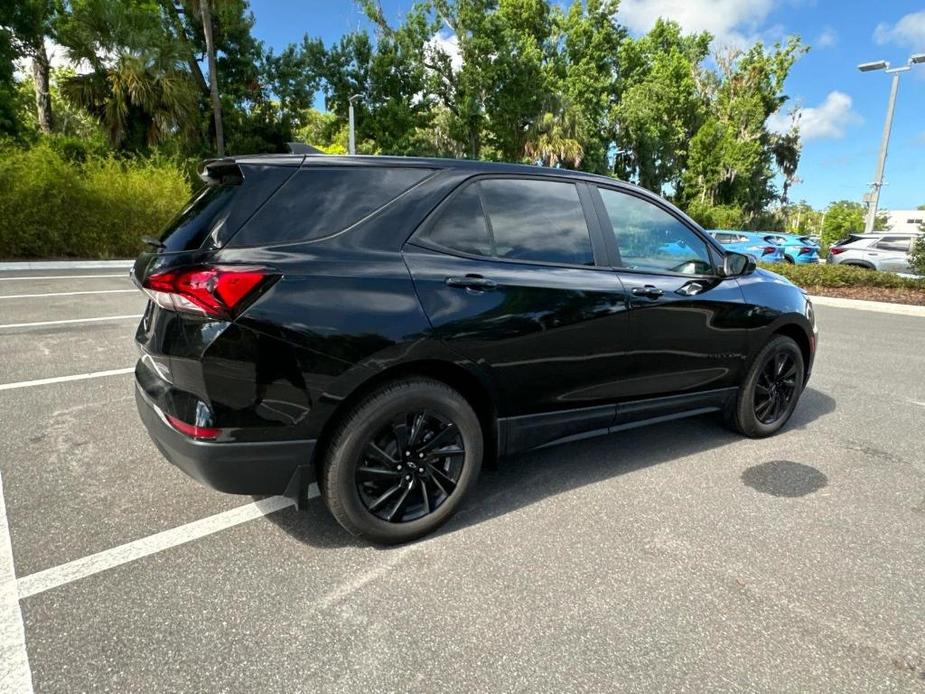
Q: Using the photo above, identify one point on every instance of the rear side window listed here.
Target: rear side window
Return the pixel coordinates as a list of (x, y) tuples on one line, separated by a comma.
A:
[(894, 243), (539, 221), (320, 201)]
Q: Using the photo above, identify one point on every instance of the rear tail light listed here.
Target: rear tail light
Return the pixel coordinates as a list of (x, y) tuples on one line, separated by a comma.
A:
[(769, 250), (197, 432), (217, 292), (805, 249), (836, 251)]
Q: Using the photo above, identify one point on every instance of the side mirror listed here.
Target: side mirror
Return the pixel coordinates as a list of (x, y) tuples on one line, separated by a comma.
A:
[(738, 264)]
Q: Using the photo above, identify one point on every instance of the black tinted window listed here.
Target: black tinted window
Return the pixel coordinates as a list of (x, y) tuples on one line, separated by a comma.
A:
[(205, 212), (537, 220), (320, 201), (649, 238), (461, 225)]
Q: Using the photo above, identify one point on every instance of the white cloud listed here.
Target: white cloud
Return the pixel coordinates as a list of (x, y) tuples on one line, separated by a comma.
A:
[(827, 121), (909, 30), (826, 39), (732, 22), (448, 45)]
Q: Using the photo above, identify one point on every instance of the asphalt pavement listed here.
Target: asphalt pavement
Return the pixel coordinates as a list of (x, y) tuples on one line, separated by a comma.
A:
[(679, 557)]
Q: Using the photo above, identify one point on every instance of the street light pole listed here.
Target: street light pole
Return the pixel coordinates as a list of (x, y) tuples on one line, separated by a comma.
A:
[(352, 143), (873, 197)]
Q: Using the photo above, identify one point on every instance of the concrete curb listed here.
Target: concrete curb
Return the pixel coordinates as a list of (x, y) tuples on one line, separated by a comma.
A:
[(878, 306), (66, 265)]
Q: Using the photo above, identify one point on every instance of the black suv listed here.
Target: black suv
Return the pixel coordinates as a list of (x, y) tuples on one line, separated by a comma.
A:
[(383, 325)]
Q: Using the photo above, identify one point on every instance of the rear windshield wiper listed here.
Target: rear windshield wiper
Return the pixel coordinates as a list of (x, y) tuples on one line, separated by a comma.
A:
[(153, 242)]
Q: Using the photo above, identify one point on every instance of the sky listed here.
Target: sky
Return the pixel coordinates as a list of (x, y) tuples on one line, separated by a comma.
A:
[(843, 110)]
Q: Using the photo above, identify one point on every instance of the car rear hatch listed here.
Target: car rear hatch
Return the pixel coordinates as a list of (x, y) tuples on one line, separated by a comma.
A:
[(194, 299)]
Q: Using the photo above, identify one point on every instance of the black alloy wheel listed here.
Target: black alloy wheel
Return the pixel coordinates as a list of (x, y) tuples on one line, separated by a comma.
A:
[(402, 460), (771, 389), (775, 387), (410, 466)]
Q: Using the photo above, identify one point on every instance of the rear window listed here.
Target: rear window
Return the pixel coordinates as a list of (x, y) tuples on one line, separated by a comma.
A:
[(320, 201), (849, 239), (218, 209)]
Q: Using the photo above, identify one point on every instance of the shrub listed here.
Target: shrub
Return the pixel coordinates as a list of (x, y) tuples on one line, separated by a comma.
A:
[(917, 256), (822, 275), (52, 205)]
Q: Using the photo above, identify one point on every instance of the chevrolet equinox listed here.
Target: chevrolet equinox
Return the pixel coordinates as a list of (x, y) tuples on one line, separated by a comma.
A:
[(382, 325)]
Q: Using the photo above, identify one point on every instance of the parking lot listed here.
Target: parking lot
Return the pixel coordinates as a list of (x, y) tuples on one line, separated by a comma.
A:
[(676, 557)]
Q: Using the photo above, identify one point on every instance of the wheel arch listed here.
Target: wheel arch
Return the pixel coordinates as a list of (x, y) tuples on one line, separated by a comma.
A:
[(859, 263), (469, 385)]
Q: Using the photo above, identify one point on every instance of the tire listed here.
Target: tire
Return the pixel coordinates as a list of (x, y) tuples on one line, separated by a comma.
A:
[(388, 496), (750, 414), (789, 260)]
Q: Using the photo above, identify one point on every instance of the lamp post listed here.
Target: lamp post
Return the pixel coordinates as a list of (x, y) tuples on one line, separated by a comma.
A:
[(352, 142), (873, 197)]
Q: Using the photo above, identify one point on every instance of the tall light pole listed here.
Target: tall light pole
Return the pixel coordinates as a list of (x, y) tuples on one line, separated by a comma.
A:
[(352, 142), (873, 197)]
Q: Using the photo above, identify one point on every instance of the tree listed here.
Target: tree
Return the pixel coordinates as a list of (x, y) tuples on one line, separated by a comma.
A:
[(206, 14), (841, 219), (28, 23)]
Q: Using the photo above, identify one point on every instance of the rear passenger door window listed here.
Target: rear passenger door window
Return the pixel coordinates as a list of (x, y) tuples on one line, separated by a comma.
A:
[(525, 219), (900, 244)]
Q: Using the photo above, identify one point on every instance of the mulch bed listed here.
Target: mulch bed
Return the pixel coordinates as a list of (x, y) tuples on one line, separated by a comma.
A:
[(891, 295)]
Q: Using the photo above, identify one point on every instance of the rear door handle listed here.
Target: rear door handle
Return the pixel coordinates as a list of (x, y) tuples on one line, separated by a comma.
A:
[(648, 291), (473, 282)]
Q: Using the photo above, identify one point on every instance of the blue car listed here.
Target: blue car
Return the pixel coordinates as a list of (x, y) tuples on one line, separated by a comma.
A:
[(751, 242), (797, 249)]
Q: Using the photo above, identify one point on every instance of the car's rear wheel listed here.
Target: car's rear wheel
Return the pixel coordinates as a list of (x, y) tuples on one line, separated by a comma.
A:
[(402, 460), (789, 260), (769, 395)]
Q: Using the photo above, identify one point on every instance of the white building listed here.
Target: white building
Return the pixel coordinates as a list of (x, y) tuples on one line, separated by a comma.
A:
[(904, 220)]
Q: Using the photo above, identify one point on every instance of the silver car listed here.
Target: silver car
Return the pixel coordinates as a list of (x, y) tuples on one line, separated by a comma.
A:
[(883, 251)]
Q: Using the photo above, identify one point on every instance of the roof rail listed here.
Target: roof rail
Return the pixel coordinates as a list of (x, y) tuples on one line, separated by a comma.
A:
[(302, 148)]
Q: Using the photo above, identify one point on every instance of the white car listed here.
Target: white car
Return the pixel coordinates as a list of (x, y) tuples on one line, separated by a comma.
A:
[(884, 251)]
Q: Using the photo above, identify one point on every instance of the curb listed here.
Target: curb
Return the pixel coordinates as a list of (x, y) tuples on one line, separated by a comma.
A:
[(66, 265), (863, 305)]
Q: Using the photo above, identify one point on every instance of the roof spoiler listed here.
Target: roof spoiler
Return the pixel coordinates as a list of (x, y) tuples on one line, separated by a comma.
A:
[(302, 148), (221, 172)]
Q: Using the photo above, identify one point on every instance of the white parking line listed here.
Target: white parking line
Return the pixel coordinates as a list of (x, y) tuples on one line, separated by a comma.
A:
[(61, 277), (15, 675), (95, 291), (71, 320), (107, 559), (65, 379)]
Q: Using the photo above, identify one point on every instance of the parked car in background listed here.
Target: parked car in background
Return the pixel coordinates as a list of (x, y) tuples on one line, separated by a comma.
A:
[(378, 325), (797, 249), (750, 242), (884, 251)]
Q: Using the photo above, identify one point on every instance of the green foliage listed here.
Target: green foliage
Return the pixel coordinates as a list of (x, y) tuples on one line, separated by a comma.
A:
[(917, 255), (841, 219), (53, 206), (836, 276)]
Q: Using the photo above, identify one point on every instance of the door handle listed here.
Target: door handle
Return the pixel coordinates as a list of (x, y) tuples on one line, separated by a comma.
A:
[(647, 291), (472, 282)]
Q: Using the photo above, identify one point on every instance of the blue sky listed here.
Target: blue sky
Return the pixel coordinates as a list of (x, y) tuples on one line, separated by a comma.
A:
[(843, 109)]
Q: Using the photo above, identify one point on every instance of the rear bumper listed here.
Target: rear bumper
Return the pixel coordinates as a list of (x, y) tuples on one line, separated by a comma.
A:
[(266, 467)]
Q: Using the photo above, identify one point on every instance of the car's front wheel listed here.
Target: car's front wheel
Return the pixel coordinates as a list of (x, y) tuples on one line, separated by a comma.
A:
[(769, 394), (402, 460)]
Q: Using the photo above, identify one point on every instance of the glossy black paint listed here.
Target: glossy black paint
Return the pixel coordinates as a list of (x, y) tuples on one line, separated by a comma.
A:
[(545, 353)]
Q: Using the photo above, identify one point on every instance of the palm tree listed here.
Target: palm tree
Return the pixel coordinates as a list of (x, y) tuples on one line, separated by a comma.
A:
[(554, 138), (140, 100), (206, 15)]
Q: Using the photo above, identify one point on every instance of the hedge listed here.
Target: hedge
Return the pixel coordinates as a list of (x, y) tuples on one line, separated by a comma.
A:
[(836, 276), (54, 206)]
